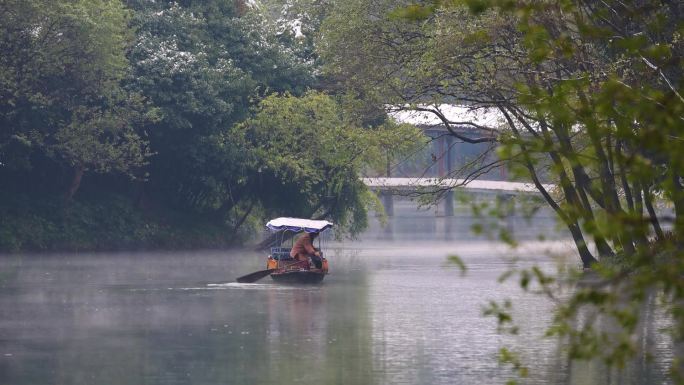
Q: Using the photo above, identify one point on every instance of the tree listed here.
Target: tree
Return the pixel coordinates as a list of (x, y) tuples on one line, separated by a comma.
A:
[(590, 91), (309, 155), (61, 95), (297, 23), (204, 65), (490, 62)]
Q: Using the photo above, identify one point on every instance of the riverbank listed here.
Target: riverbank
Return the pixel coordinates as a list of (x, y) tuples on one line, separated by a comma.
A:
[(112, 224)]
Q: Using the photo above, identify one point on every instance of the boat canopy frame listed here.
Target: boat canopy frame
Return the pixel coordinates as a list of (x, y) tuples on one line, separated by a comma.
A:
[(298, 225)]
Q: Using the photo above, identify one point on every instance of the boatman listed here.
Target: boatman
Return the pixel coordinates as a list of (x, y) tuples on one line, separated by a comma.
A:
[(304, 249)]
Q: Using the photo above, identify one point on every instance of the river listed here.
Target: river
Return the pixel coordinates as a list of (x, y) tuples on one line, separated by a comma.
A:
[(390, 312)]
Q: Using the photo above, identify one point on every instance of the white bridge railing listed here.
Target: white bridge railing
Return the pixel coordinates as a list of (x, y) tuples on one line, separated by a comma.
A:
[(382, 183)]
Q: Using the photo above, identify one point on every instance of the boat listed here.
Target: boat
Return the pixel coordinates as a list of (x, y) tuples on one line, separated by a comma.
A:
[(285, 268)]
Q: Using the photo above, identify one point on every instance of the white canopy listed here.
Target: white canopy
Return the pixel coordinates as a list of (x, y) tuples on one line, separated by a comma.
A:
[(298, 224)]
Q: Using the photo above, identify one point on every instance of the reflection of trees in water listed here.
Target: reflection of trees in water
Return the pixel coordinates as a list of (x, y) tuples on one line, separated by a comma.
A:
[(349, 351), (318, 335), (652, 341), (68, 327), (300, 335)]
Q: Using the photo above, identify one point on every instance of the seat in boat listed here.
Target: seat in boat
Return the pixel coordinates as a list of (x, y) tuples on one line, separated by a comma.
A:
[(280, 253)]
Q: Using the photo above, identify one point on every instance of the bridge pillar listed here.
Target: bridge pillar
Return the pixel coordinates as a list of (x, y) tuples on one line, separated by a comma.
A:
[(504, 201), (388, 230), (387, 200), (449, 204), (443, 228), (445, 208)]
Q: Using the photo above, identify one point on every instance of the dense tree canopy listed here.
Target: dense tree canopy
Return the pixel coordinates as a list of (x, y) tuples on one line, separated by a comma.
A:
[(60, 77), (202, 65), (154, 113)]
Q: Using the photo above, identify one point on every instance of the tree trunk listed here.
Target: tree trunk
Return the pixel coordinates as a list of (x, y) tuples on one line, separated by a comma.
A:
[(583, 186), (609, 188), (678, 200), (652, 214), (585, 255), (576, 196), (623, 178), (78, 172), (576, 232), (244, 217), (638, 201), (573, 196)]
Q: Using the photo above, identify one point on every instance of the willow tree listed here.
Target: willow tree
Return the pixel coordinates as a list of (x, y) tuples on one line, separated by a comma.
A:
[(589, 91), (309, 153)]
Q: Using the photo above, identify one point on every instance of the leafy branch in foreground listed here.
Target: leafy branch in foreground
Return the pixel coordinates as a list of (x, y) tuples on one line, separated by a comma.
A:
[(589, 98)]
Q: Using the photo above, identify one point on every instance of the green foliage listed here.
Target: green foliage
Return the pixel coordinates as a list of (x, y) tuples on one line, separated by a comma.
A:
[(590, 99), (413, 12), (456, 260), (110, 222), (204, 65), (297, 23), (502, 313), (146, 102), (60, 82), (308, 156), (511, 358)]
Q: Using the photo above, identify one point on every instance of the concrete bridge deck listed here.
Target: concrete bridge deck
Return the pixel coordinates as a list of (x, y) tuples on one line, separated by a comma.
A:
[(383, 183), (388, 187)]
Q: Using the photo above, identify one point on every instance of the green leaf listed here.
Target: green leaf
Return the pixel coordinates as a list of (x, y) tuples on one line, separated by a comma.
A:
[(456, 260)]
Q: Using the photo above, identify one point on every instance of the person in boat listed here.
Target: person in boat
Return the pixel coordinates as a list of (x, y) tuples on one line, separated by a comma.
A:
[(304, 250)]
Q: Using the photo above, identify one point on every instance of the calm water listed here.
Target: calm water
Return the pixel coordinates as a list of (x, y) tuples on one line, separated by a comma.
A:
[(389, 313)]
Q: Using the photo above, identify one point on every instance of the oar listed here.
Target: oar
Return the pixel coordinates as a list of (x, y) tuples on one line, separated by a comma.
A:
[(257, 275)]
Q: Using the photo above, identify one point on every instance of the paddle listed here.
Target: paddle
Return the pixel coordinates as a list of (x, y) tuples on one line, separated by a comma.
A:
[(257, 275)]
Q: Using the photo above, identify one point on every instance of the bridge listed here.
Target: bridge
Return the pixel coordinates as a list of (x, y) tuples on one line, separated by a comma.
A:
[(388, 187), (383, 183), (445, 156)]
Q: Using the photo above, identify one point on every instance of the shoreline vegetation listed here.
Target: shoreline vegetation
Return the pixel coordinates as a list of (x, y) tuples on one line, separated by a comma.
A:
[(112, 225), (137, 124)]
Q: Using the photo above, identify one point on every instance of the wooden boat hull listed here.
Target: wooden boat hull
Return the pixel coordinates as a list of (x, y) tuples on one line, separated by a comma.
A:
[(301, 276)]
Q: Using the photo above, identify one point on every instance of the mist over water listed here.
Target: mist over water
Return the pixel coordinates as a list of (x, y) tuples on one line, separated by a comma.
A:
[(392, 311)]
